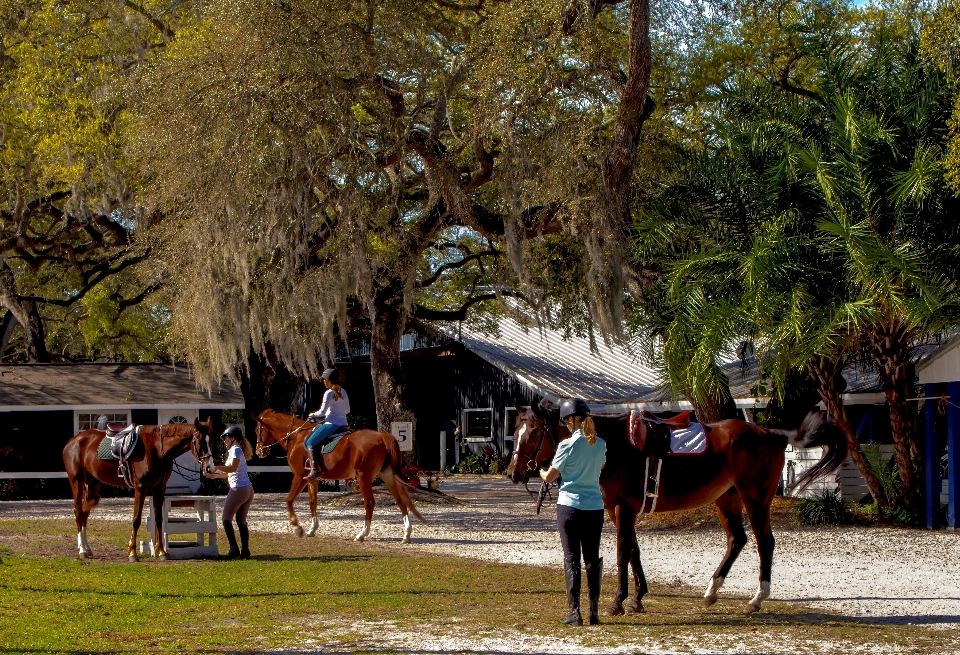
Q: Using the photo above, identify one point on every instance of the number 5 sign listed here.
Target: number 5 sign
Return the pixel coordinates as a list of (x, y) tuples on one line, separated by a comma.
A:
[(403, 433)]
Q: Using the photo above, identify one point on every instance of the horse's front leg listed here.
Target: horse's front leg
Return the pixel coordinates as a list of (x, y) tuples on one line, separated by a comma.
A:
[(295, 488), (139, 494), (159, 546), (635, 604), (312, 487), (623, 517)]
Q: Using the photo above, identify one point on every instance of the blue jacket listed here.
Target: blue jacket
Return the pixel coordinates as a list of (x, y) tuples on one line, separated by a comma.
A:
[(579, 464)]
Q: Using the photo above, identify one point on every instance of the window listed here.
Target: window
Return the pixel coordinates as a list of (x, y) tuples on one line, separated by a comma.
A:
[(478, 425), (178, 419), (99, 420)]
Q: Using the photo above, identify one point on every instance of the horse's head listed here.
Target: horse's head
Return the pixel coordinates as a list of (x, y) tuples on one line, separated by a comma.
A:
[(200, 443), (535, 440), (265, 436)]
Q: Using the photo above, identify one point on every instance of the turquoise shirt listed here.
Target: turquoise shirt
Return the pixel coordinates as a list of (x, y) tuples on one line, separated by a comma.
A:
[(579, 464)]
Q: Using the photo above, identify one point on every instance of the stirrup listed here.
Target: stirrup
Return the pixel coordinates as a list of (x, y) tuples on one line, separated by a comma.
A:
[(646, 487)]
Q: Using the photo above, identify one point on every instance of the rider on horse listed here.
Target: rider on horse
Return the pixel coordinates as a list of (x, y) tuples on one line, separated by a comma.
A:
[(333, 411)]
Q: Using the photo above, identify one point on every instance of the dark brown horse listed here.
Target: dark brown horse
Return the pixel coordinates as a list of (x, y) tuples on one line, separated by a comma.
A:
[(151, 463), (740, 469), (364, 455)]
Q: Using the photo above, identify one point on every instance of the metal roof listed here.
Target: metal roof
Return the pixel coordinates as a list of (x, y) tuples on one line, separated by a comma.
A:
[(560, 368), (98, 385)]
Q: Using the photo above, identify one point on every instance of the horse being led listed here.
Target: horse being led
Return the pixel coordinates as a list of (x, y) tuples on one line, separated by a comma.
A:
[(740, 469), (364, 455), (151, 463)]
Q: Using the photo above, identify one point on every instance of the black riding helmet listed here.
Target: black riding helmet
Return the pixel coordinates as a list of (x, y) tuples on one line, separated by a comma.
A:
[(234, 432), (573, 407), (331, 374)]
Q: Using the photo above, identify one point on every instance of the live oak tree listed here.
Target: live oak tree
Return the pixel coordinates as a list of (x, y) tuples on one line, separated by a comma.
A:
[(66, 211), (326, 160)]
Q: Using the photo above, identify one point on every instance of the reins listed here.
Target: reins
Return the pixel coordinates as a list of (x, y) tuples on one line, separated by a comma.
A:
[(265, 448)]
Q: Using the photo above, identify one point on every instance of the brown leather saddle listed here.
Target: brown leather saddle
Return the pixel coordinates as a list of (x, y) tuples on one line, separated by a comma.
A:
[(650, 434)]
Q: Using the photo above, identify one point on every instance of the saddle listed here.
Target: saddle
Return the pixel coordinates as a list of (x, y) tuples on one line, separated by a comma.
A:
[(333, 440), (118, 446), (681, 436)]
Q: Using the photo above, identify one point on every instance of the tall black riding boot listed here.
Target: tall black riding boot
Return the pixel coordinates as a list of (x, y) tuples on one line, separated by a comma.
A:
[(594, 577), (234, 552), (244, 541), (572, 572), (316, 462)]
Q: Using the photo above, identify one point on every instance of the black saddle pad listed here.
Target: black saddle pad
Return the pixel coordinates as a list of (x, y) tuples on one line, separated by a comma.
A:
[(103, 450)]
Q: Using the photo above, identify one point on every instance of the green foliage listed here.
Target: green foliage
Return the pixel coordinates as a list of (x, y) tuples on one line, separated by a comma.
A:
[(486, 462), (827, 508), (885, 471)]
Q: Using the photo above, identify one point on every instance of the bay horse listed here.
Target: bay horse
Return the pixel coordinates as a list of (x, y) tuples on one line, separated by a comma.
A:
[(363, 454), (151, 463), (739, 470)]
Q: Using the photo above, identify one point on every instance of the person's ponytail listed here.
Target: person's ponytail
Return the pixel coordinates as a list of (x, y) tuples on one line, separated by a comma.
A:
[(337, 389), (589, 430), (246, 448)]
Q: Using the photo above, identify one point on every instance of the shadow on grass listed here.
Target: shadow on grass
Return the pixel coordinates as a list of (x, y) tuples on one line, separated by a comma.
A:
[(262, 594)]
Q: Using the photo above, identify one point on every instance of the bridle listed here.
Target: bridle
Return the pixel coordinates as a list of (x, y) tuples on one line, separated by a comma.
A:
[(532, 463), (264, 448), (195, 448)]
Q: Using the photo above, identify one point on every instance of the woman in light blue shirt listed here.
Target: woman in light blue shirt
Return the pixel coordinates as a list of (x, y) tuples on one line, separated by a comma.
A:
[(578, 461)]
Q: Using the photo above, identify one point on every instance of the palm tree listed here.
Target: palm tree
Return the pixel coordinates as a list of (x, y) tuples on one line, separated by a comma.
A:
[(811, 223)]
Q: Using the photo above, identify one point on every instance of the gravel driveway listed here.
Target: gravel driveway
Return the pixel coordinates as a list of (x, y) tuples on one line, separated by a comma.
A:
[(894, 575)]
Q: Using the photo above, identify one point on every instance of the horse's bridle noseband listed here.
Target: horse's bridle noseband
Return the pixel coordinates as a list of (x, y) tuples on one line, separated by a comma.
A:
[(532, 463)]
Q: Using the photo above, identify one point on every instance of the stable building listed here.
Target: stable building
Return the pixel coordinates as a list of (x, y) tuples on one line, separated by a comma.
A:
[(43, 405)]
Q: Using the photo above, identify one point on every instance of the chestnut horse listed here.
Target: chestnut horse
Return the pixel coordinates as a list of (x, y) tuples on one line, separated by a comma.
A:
[(364, 455), (740, 469), (151, 462)]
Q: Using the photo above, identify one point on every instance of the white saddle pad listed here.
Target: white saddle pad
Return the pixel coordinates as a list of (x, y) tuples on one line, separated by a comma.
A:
[(690, 440)]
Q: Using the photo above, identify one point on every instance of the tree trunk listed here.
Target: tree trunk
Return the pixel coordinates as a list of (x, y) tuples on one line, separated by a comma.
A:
[(266, 383), (388, 317), (713, 410), (890, 344), (827, 373), (26, 313)]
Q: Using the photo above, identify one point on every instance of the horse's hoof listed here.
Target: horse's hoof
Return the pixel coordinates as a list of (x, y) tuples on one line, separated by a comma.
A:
[(614, 609), (634, 607), (405, 540), (709, 600), (359, 537), (751, 608), (132, 557), (311, 533), (298, 531), (163, 557), (83, 555)]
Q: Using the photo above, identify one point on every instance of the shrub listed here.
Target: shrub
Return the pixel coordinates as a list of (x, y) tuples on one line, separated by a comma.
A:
[(828, 508), (487, 461)]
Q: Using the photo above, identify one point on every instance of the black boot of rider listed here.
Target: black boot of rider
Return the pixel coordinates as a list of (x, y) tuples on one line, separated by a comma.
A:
[(244, 541), (234, 551), (594, 577), (572, 573), (315, 458)]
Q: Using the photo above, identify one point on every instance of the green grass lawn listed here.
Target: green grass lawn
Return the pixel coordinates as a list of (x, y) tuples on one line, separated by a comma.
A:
[(298, 590)]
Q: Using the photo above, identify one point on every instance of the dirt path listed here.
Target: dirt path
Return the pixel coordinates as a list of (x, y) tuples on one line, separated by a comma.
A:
[(892, 575)]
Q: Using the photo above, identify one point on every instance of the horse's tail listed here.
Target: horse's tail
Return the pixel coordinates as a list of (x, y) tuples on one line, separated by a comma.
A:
[(817, 430), (393, 462)]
